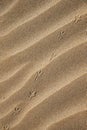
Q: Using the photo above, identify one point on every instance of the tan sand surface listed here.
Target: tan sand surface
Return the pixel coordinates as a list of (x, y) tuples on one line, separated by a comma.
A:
[(43, 64)]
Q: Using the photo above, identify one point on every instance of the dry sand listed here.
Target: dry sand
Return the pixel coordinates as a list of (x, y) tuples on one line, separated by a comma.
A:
[(43, 64)]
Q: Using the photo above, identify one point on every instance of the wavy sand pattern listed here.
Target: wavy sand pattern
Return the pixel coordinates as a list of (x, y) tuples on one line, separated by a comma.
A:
[(43, 64)]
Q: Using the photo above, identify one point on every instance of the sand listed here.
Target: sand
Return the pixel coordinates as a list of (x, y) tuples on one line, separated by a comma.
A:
[(43, 64)]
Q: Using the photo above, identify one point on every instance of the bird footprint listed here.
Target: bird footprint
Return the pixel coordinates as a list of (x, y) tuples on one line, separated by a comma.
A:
[(38, 74)]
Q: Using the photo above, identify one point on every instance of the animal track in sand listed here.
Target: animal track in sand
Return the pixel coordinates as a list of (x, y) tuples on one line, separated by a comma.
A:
[(30, 95), (77, 19), (17, 110), (33, 94), (38, 74), (60, 35), (53, 55), (5, 127)]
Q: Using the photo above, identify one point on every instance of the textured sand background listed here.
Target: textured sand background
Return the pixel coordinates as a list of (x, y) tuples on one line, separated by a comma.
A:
[(43, 64)]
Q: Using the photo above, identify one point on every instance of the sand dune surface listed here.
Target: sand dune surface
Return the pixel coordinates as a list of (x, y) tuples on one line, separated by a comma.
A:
[(43, 64)]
